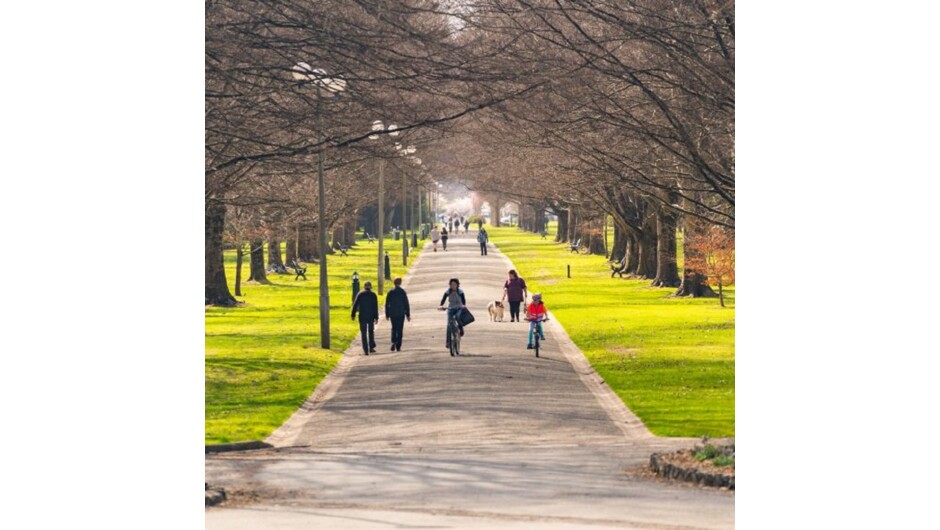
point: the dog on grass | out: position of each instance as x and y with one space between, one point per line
495 309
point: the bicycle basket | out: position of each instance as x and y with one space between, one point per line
464 317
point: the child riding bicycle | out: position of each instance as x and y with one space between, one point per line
535 313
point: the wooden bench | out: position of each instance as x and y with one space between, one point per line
300 270
619 267
544 234
369 237
576 246
343 249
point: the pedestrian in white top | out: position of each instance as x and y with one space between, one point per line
435 237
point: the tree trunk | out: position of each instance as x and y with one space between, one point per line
619 248
307 248
631 251
562 235
274 256
349 233
338 235
667 272
539 221
257 262
217 292
239 257
646 256
368 220
596 244
721 295
291 250
694 285
572 225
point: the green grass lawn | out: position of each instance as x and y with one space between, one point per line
671 360
264 358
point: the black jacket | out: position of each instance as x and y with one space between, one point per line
367 304
396 303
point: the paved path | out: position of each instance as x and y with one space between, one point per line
494 438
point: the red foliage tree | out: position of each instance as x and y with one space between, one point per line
713 256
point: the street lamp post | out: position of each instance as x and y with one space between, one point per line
325 87
404 226
381 265
437 207
414 217
377 126
414 240
414 224
420 196
404 151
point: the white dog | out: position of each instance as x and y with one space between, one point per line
495 309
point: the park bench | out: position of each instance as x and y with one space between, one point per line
619 267
300 270
544 234
370 237
343 249
576 246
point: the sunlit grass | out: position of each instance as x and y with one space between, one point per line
671 360
264 358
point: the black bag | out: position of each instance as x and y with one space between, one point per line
464 317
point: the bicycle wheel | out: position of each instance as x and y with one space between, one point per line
450 340
455 343
537 342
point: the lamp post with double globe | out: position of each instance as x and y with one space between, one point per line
378 126
325 87
406 152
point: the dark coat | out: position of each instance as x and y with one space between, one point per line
367 304
396 303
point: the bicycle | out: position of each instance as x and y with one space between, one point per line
538 334
453 333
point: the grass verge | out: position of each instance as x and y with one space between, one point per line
671 360
264 358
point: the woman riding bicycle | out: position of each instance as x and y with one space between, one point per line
535 314
455 300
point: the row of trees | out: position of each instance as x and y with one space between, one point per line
632 117
405 63
585 109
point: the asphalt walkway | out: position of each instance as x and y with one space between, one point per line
494 438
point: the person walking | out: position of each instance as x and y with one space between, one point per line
397 310
367 305
482 238
480 223
435 237
444 238
466 226
515 290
